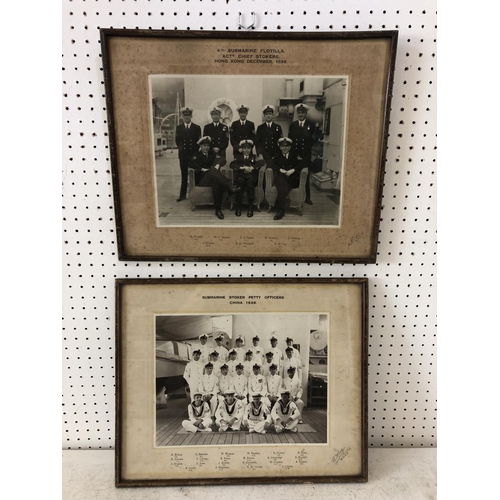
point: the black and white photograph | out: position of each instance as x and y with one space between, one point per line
241 379
248 150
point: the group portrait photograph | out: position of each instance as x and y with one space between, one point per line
240 379
248 150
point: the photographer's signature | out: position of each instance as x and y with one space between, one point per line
340 455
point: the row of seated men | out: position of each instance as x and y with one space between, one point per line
206 154
232 414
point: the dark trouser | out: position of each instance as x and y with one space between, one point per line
309 165
308 186
218 182
247 185
184 177
284 185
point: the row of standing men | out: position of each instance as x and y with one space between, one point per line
206 154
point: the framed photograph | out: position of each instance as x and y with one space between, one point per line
248 146
241 381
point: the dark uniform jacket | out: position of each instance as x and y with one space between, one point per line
240 161
199 161
266 140
292 162
303 138
186 140
219 135
240 132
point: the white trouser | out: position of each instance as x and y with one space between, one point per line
289 427
190 427
300 406
212 403
256 426
224 426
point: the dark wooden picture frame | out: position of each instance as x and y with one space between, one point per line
241 457
365 59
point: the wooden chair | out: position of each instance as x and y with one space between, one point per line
297 196
259 190
200 195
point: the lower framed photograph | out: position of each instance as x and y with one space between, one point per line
241 381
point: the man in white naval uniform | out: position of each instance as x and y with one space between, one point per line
232 362
257 384
209 386
295 352
223 352
225 383
214 359
248 363
274 385
277 353
258 351
240 383
294 385
229 414
200 418
205 349
257 416
285 414
240 350
290 361
193 372
267 363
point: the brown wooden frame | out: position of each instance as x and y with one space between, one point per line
358 245
124 372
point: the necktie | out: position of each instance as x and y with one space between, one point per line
246 157
269 125
301 124
242 123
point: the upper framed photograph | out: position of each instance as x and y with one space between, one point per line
248 146
241 381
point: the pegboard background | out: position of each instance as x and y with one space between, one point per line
402 347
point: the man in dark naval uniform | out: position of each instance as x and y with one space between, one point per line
304 133
218 132
246 168
187 135
241 129
286 167
206 166
267 135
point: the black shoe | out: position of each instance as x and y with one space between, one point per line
237 212
280 214
181 198
309 202
250 211
219 214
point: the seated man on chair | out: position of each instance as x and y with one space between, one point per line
206 165
293 384
246 168
286 167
